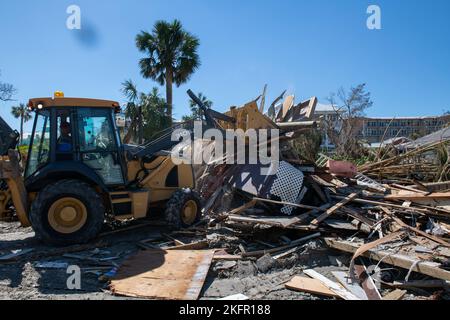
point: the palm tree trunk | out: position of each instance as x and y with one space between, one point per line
169 84
140 126
21 129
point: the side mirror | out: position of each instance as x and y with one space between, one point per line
120 120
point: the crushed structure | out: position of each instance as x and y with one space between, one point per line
383 226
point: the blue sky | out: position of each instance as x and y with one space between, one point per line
308 47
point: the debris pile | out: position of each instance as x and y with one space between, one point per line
394 230
383 227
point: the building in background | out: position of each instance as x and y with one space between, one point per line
375 130
378 129
328 116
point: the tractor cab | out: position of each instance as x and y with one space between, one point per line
74 138
79 175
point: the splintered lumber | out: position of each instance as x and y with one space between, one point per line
160 274
330 211
248 205
310 285
384 163
333 286
416 196
198 245
302 206
410 189
350 285
397 294
282 222
356 215
293 244
432 269
379 203
297 219
367 283
227 257
420 232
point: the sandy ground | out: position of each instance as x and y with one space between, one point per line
26 279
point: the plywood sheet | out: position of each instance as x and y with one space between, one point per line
160 274
309 285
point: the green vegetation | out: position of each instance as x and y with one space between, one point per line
24 114
196 112
147 112
171 56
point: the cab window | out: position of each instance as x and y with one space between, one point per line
40 144
64 137
98 144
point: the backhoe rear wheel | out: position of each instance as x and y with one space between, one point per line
67 212
183 209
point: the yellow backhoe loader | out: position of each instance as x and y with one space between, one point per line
78 172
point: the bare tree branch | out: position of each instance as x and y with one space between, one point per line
6 91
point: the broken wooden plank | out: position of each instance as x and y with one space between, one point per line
267 220
358 216
367 283
294 243
310 285
284 254
160 274
305 215
413 196
350 285
399 260
227 257
397 294
422 233
297 205
176 241
333 286
198 245
330 211
238 210
379 203
411 189
340 225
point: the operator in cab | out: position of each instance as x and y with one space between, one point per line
64 142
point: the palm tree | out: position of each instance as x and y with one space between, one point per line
171 56
22 112
132 111
196 112
148 112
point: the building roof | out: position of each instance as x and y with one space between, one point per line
320 107
406 118
441 135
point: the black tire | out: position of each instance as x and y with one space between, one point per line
39 213
176 205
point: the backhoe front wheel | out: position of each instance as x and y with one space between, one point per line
67 212
183 209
